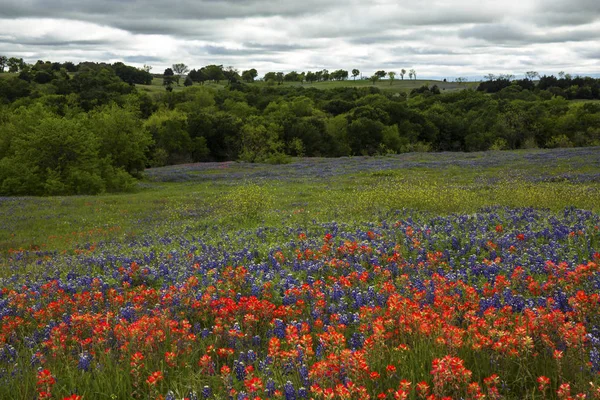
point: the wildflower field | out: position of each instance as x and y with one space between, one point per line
417 276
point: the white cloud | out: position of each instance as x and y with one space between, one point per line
440 38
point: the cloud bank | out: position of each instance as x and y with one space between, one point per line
438 38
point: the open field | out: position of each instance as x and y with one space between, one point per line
343 189
452 274
397 86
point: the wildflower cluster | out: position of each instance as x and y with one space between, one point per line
500 304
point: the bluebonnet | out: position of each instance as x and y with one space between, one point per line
270 387
84 362
289 391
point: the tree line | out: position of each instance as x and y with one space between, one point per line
216 73
566 86
92 131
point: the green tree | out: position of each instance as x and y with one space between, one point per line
261 141
3 61
132 75
15 64
249 75
48 154
12 89
179 70
291 76
197 76
339 75
311 77
121 137
270 76
279 77
336 129
402 73
98 85
188 81
392 76
168 79
172 142
364 136
355 73
391 140
531 75
231 74
214 73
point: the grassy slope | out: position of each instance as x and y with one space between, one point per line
397 86
345 190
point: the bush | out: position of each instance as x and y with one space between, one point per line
499 144
42 154
561 141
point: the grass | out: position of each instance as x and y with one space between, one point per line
397 85
142 271
241 195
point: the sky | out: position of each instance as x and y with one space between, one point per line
437 38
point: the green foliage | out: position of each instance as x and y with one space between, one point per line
499 144
365 136
121 137
296 147
43 154
168 129
337 129
132 75
559 141
391 139
96 86
249 75
261 141
12 89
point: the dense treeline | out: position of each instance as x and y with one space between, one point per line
91 131
570 88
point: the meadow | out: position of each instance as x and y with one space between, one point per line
421 275
397 86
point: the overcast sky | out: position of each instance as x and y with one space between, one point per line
445 38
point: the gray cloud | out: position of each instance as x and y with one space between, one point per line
50 42
440 37
143 59
249 49
560 13
507 33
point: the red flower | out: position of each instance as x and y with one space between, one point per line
564 391
154 378
544 382
170 358
254 384
45 378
